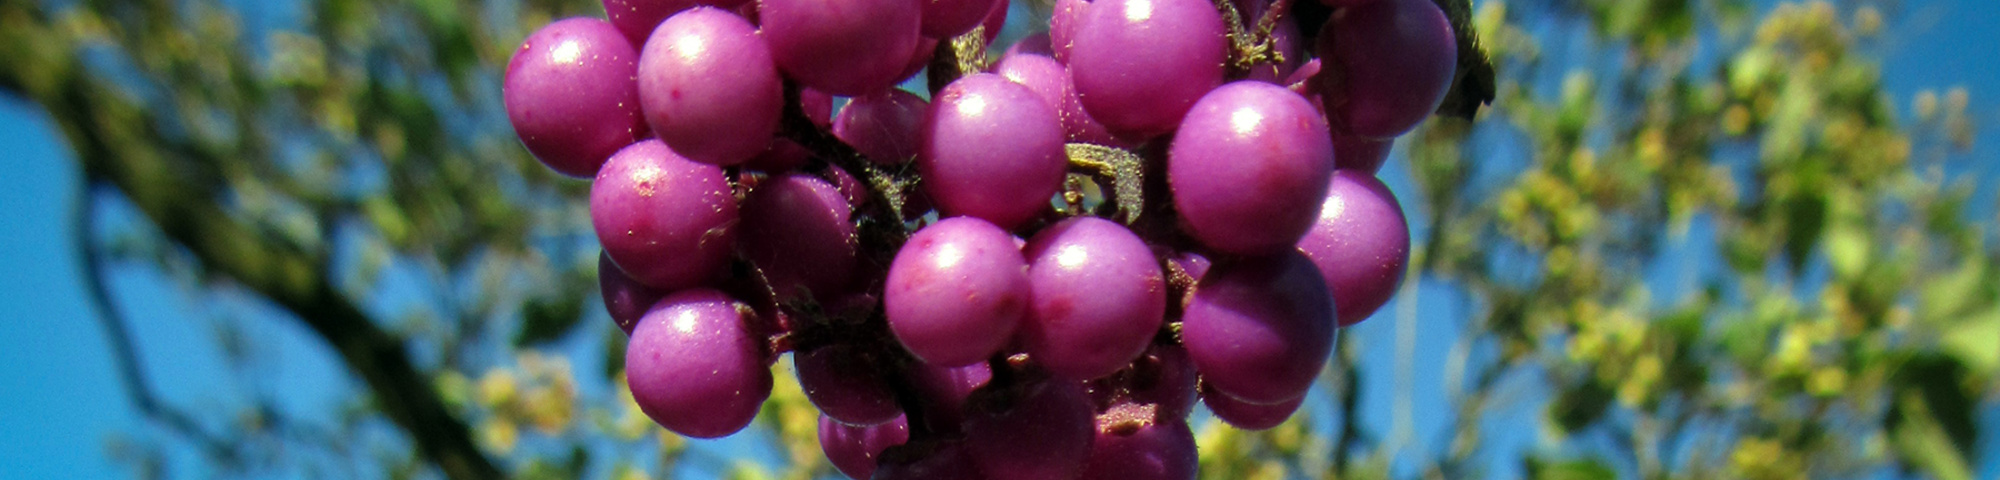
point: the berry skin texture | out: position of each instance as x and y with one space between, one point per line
1361 154
841 47
624 298
695 367
992 150
1245 415
665 220
957 291
1249 168
845 385
943 391
1044 433
1063 20
799 231
1361 244
1259 329
1099 297
854 450
570 95
949 18
1140 65
1051 80
709 88
887 127
1388 64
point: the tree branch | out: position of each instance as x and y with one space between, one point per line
123 349
162 177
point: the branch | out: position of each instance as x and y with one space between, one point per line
123 348
116 143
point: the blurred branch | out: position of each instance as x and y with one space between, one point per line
1350 401
124 350
163 177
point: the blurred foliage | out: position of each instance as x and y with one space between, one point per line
1851 329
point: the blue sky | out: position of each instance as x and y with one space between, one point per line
63 402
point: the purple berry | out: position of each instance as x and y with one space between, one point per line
665 220
1140 65
1260 329
695 367
709 88
798 230
1249 168
1132 443
846 384
1099 297
853 450
1388 65
571 96
1043 433
1360 154
992 150
624 298
943 391
1051 81
842 47
957 291
887 126
949 18
1246 415
1361 244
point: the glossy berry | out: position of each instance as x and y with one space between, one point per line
709 88
1259 329
570 94
1249 168
846 383
1133 443
665 220
854 450
1099 297
798 230
992 150
1246 415
695 366
1361 244
624 298
841 47
1042 432
1140 65
957 291
887 127
1387 66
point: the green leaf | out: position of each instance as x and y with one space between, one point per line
1976 342
1931 395
1587 469
1927 444
546 319
1806 217
1577 408
1954 294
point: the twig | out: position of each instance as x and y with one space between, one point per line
123 349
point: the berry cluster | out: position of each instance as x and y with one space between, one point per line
1034 273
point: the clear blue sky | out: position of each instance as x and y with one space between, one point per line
61 401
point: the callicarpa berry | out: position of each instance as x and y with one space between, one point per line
1034 270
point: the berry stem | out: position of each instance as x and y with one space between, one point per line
883 220
957 57
1251 45
1122 170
